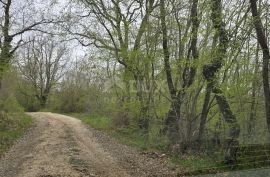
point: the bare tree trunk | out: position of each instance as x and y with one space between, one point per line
266 58
166 50
171 125
43 65
204 114
43 101
252 114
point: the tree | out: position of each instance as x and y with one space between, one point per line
124 26
8 34
42 64
210 74
177 95
262 40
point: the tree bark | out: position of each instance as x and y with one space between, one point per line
204 114
166 50
252 115
262 40
171 126
172 121
205 109
210 73
5 55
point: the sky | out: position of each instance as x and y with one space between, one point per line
26 12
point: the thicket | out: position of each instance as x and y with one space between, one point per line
192 74
13 121
185 76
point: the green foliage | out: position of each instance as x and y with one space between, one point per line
12 127
8 99
25 95
133 137
95 120
197 162
76 98
13 122
11 105
124 115
98 122
130 135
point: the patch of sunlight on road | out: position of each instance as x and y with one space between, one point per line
263 172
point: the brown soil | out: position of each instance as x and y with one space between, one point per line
62 146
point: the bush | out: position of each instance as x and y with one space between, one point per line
4 121
8 100
124 115
12 126
11 105
120 119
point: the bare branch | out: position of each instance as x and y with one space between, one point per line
31 27
3 2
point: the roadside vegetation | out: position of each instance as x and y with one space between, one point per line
148 143
12 127
14 123
185 78
210 160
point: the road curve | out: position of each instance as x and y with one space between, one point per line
62 146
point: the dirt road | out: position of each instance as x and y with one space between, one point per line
62 146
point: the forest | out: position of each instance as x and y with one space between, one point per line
185 78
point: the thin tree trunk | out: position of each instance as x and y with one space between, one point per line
204 114
172 121
252 114
166 50
266 58
171 126
194 40
205 109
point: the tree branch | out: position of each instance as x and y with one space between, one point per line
31 27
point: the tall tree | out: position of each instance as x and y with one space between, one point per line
262 40
7 48
177 95
174 113
124 27
42 66
210 73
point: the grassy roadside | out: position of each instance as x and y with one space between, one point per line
129 136
12 127
136 138
191 164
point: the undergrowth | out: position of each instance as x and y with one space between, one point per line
12 127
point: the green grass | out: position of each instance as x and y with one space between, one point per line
152 142
94 120
195 162
12 128
132 137
191 164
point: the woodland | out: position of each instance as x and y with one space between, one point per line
182 77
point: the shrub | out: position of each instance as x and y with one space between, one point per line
120 119
11 105
124 114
